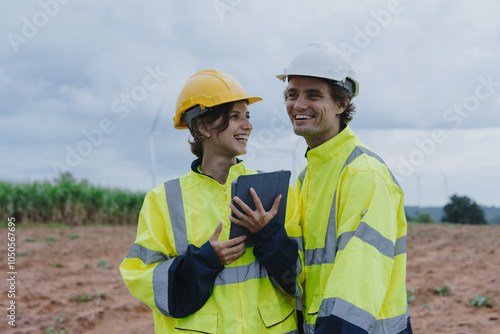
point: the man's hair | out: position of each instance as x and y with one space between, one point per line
208 118
343 96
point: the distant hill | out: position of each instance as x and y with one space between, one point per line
491 213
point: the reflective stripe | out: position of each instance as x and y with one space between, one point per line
371 236
160 286
344 239
298 302
300 242
391 325
175 205
331 233
361 318
400 247
309 329
240 274
346 311
301 177
292 332
313 256
147 256
359 150
327 254
298 268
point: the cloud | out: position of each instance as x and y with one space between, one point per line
419 65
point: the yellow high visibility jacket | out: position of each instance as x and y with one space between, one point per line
354 232
175 224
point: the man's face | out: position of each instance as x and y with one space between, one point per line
313 112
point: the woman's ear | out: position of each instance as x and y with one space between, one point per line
204 130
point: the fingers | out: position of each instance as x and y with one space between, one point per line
233 208
238 221
234 253
256 200
274 208
216 234
242 205
233 242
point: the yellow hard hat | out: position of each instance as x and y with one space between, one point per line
206 89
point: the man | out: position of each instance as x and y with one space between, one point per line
352 214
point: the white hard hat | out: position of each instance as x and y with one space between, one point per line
323 60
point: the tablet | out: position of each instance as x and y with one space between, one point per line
267 186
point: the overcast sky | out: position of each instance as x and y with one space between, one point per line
81 83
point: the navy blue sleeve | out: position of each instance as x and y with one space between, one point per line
336 325
279 254
191 280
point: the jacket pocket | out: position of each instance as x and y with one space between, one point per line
198 323
315 304
275 314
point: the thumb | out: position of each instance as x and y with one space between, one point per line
218 229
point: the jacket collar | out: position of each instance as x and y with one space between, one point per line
331 148
235 170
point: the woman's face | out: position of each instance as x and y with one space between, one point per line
233 140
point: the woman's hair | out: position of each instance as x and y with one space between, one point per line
208 118
343 96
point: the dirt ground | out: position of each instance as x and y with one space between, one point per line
68 279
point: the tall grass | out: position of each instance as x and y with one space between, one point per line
69 202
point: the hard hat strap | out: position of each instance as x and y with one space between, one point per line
188 116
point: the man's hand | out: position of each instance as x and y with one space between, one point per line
227 251
254 221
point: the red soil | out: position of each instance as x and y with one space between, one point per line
58 269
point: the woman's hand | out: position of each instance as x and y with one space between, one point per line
227 251
254 221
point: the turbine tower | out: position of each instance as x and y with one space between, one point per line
152 147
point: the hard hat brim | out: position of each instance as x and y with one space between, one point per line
183 125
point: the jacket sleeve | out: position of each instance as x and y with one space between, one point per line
278 251
366 234
171 284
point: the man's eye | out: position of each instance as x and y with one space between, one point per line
291 96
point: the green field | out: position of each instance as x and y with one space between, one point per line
68 202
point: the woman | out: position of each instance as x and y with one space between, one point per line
182 264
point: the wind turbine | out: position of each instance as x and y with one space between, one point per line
152 148
418 176
445 183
